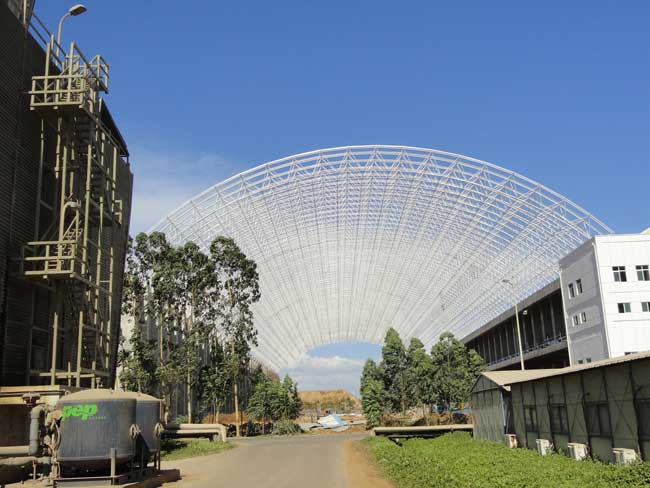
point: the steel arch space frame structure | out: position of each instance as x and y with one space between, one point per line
352 240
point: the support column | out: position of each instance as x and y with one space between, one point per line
531 319
553 326
542 327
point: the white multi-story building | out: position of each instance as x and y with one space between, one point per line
606 291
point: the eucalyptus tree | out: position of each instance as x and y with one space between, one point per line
291 403
371 371
373 401
240 289
133 288
196 284
273 400
395 370
214 378
455 369
264 402
420 374
156 270
137 362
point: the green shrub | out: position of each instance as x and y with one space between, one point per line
458 461
181 419
174 449
286 427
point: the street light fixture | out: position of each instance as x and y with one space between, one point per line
73 11
514 297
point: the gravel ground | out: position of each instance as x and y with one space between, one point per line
305 461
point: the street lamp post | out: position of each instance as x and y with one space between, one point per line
514 297
73 11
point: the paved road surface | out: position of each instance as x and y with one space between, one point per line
310 461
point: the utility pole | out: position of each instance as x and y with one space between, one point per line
514 298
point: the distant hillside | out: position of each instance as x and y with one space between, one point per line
340 400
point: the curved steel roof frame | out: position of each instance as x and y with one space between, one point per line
352 240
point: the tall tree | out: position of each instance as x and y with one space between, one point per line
395 370
420 374
263 402
137 360
291 400
373 393
240 290
214 379
133 287
273 401
138 363
157 271
455 369
197 283
373 402
371 371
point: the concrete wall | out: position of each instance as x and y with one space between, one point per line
606 332
629 332
587 338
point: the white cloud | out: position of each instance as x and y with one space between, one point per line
325 373
164 180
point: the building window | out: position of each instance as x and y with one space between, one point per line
587 360
619 273
624 307
645 306
580 361
579 286
576 320
643 273
559 419
597 416
572 291
583 317
530 418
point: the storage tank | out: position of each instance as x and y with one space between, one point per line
148 416
93 422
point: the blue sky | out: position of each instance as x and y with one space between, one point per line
558 91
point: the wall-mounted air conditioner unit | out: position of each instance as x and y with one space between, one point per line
625 456
544 446
511 440
577 451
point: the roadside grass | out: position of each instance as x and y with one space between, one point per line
175 449
457 461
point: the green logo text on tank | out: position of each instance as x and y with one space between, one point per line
81 411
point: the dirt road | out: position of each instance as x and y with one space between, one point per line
308 461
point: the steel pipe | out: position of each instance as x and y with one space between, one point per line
23 460
14 450
34 429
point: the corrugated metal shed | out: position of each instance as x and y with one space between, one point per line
546 373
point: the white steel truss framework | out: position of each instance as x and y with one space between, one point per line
352 240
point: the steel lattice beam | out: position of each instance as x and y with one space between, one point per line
352 240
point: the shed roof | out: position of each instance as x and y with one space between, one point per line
504 378
545 373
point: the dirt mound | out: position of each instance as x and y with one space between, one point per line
329 399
